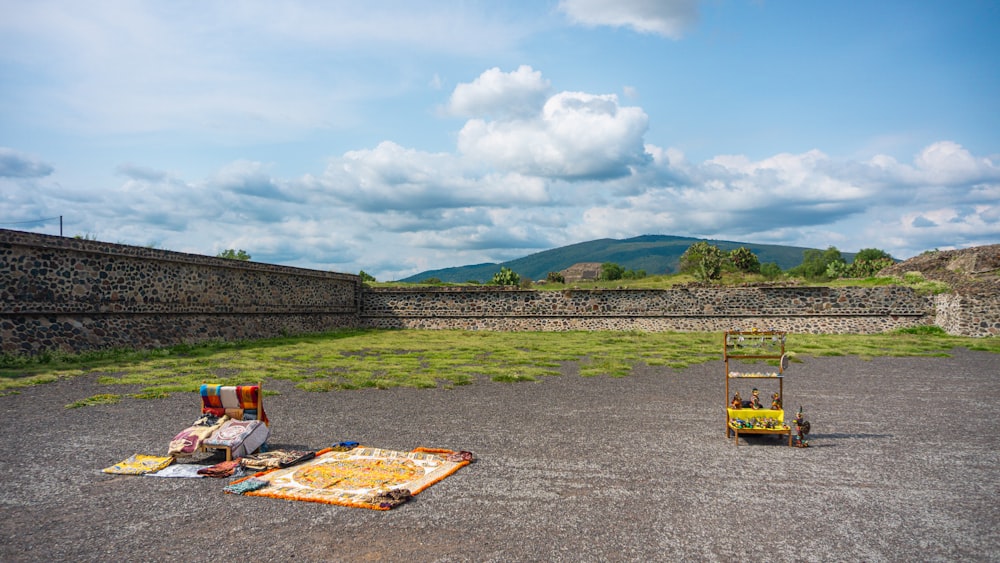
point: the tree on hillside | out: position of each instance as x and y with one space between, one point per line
234 254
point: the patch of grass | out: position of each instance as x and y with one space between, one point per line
381 359
925 330
102 399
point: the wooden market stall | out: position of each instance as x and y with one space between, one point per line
755 414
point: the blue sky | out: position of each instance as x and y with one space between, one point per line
397 137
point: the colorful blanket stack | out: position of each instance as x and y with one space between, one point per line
241 402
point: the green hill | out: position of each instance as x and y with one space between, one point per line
656 254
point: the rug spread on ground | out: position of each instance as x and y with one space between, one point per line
362 477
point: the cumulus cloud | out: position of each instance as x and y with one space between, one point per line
944 163
14 164
578 135
669 18
517 94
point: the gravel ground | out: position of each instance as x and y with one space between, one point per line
903 467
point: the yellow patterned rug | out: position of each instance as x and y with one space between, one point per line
363 477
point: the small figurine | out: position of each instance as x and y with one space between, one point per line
801 429
737 401
755 399
776 401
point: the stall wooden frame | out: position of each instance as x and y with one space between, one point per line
755 345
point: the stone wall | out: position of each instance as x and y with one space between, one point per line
68 294
795 309
968 315
75 295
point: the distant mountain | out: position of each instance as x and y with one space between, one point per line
656 254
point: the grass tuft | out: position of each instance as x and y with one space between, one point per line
102 399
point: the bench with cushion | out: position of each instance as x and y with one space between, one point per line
247 427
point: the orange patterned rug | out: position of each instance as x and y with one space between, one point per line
363 477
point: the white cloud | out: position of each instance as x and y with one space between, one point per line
948 162
669 18
578 135
517 94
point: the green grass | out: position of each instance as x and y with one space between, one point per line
102 399
357 359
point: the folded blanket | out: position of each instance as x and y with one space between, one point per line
276 459
187 441
182 470
137 464
246 486
219 470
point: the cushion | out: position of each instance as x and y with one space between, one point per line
240 436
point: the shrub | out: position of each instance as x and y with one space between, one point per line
745 260
611 271
555 277
838 269
703 261
770 270
234 254
868 268
506 276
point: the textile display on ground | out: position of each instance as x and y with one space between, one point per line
138 464
180 470
361 477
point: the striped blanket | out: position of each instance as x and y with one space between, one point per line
226 399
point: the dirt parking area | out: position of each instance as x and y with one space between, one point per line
904 466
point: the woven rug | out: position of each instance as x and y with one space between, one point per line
362 477
139 464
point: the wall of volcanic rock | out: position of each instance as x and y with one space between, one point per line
69 294
969 314
74 295
821 310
